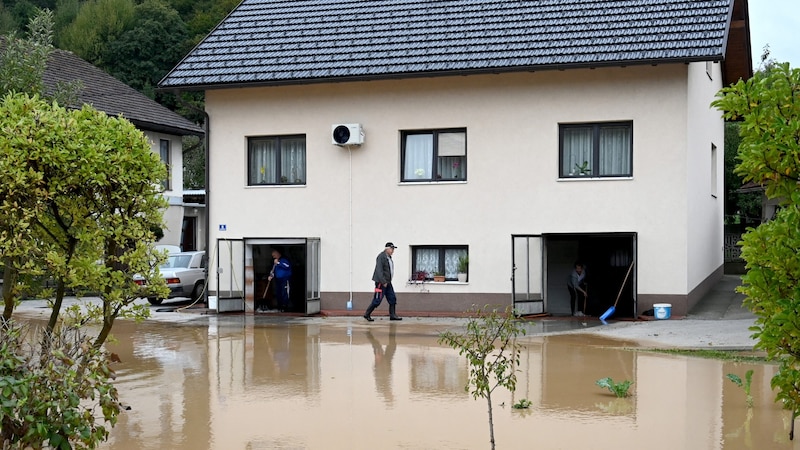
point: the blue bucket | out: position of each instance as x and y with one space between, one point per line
662 311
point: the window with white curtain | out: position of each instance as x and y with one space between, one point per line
276 160
164 153
596 150
430 260
434 155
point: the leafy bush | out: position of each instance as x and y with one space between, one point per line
619 389
55 390
522 404
748 379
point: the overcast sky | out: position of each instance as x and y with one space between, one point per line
777 23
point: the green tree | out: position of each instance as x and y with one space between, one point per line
99 199
97 23
489 343
194 163
24 60
742 208
149 48
22 64
768 106
7 22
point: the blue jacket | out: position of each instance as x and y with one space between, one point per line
282 270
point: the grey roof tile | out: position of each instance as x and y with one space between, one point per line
282 41
113 97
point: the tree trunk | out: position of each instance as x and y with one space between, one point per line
59 300
9 281
491 419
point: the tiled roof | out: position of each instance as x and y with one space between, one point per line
291 42
114 97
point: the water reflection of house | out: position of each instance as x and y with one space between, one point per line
438 373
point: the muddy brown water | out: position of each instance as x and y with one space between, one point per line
241 383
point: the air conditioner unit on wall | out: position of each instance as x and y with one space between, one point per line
347 134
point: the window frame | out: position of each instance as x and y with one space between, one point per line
596 127
442 251
278 138
436 177
165 154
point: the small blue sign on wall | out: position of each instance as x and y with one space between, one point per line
223 227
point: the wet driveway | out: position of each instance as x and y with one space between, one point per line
274 383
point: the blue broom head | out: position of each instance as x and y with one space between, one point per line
608 313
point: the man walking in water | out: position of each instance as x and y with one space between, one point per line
382 276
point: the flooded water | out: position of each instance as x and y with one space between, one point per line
243 383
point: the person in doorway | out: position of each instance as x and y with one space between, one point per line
382 276
576 284
281 273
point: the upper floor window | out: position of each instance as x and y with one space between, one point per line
276 160
596 150
434 155
165 158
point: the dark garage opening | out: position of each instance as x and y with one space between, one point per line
262 264
607 258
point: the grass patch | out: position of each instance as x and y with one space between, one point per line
723 355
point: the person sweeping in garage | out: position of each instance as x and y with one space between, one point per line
281 272
576 284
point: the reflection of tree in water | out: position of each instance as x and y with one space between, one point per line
383 364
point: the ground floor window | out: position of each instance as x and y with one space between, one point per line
431 260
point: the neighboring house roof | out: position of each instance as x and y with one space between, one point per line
272 42
113 97
751 186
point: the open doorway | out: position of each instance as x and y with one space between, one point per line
243 267
265 295
606 258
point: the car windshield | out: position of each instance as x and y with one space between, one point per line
177 261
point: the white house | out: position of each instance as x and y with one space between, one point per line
185 221
460 127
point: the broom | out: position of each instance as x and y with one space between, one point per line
613 308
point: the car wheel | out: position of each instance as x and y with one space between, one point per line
197 291
154 300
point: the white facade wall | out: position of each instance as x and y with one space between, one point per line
706 203
512 185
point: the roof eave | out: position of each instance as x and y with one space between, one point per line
166 129
738 63
440 73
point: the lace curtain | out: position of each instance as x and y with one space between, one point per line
428 260
278 161
615 151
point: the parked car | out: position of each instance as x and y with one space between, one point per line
184 273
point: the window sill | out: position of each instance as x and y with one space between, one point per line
427 183
274 186
579 179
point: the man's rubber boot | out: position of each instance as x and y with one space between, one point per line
392 315
368 312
